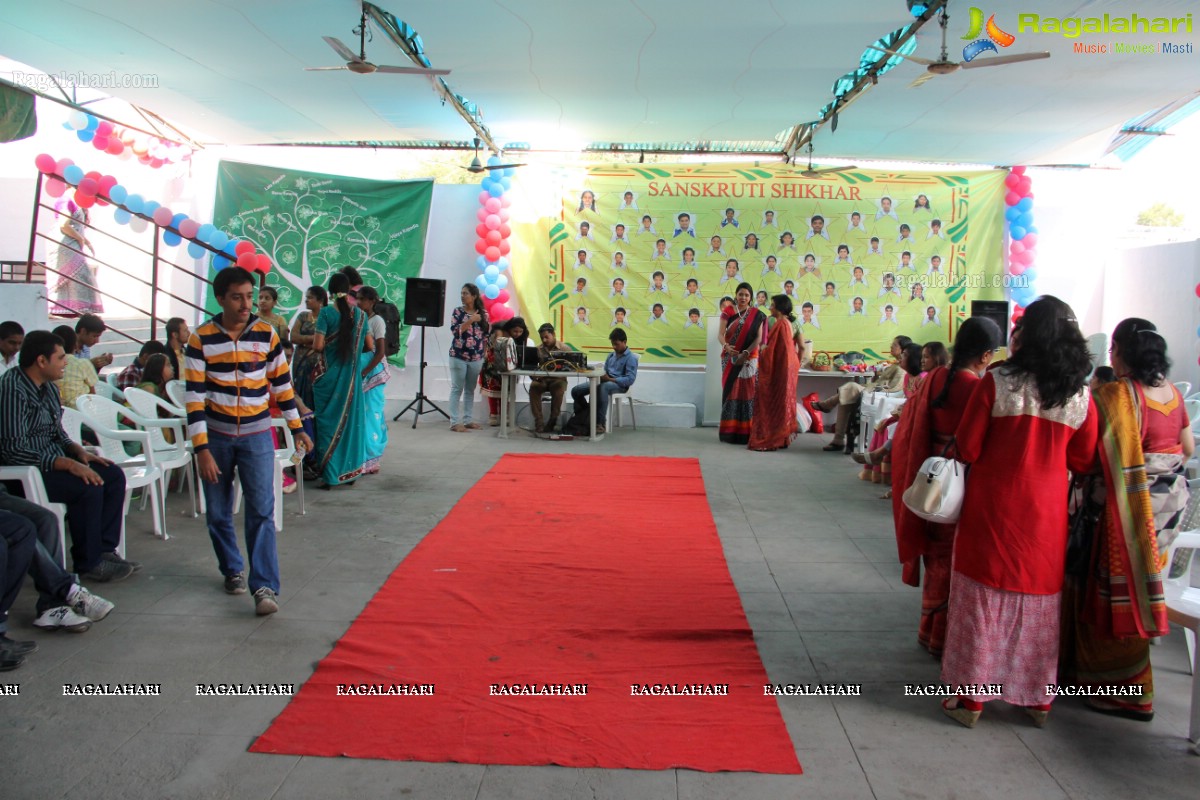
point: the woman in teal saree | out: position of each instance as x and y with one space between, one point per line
340 408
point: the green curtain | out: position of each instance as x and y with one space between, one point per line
18 115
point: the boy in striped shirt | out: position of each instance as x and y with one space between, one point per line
233 364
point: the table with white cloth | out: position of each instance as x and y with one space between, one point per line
593 375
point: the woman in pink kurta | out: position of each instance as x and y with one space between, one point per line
1027 423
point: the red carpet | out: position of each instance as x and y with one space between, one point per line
554 570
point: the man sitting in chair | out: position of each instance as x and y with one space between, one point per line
557 387
620 371
849 394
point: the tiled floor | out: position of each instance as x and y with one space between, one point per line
809 547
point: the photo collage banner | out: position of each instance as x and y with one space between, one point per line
863 255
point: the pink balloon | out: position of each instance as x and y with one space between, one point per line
163 216
100 142
503 296
1016 247
484 196
1012 180
45 162
492 253
505 231
505 214
1025 258
1016 267
1024 184
505 201
63 163
88 186
106 183
1018 170
104 128
492 237
1011 199
1030 241
188 228
481 214
492 204
481 230
263 263
481 247
492 222
55 187
505 249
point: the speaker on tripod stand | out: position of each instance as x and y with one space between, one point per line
424 306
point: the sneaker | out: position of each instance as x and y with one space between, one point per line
107 571
264 602
116 559
12 648
63 619
235 584
86 604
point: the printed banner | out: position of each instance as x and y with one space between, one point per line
312 225
863 255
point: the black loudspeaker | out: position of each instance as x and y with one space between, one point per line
424 302
997 312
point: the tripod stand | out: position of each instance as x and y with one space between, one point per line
421 400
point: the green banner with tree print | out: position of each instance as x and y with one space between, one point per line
311 225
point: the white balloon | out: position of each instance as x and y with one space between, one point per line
137 224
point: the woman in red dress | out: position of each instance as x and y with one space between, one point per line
743 329
927 428
1027 423
774 423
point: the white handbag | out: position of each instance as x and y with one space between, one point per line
937 490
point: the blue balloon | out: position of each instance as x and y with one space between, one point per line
1011 213
73 174
486 183
171 238
496 190
1030 275
195 250
85 136
1025 204
135 203
118 193
221 262
178 218
491 291
206 231
494 161
491 272
1030 229
481 281
121 216
92 123
150 206
1016 233
230 248
502 281
508 172
482 263
503 263
1025 221
219 240
506 183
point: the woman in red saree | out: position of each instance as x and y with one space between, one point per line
926 428
743 329
1127 517
774 422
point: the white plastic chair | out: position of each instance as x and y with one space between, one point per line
1097 345
35 492
111 378
1184 387
140 471
169 455
176 390
109 391
283 460
614 409
1183 605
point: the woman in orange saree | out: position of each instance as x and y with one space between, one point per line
773 424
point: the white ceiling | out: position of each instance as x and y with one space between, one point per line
570 72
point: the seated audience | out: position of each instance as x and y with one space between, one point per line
849 394
877 458
31 434
557 387
78 376
17 539
132 375
88 331
620 371
11 336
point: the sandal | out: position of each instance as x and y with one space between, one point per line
833 446
953 709
473 426
1037 715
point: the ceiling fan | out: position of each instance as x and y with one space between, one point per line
944 66
813 173
358 63
477 166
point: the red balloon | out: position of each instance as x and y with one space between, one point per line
492 253
247 261
505 231
1198 290
481 229
492 204
1011 199
1024 184
243 247
104 128
94 175
503 296
45 162
493 237
84 200
1011 180
88 186
1018 170
505 249
100 142
106 183
115 147
100 201
157 163
500 313
263 263
481 247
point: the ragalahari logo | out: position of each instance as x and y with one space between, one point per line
995 36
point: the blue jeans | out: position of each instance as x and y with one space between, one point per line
604 390
52 581
254 458
463 377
